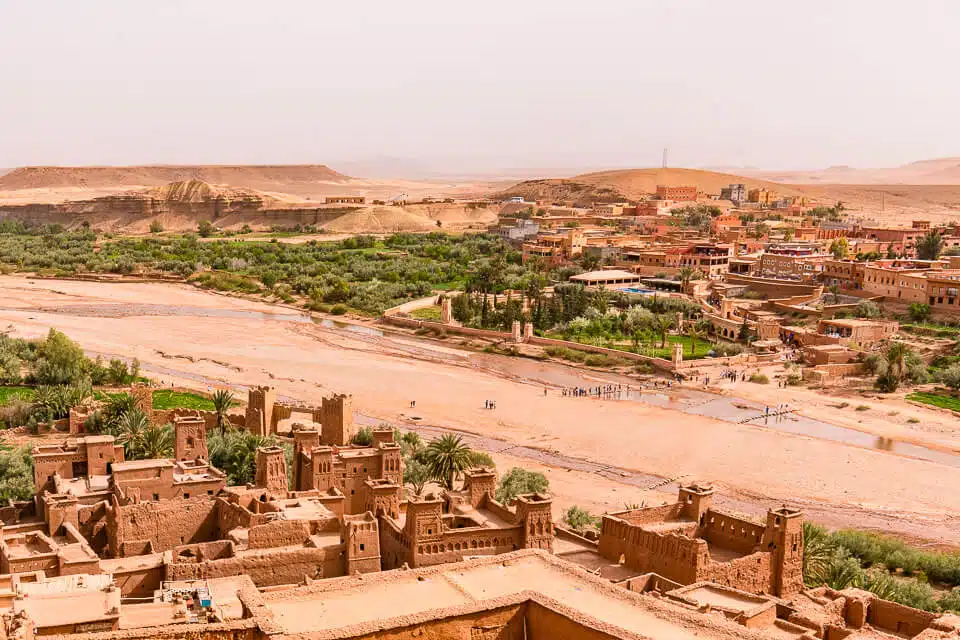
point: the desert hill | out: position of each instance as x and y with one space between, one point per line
263 177
937 171
630 184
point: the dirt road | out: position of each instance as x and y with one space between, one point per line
195 338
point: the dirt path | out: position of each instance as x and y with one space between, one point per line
198 339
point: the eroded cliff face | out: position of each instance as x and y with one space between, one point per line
177 205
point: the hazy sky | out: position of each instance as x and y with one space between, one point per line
477 85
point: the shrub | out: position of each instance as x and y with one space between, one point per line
518 482
580 519
795 379
156 226
363 437
759 378
205 229
338 309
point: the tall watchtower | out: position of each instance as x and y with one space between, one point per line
695 501
534 513
190 438
260 404
361 544
785 534
479 483
272 470
337 419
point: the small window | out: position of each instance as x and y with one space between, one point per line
352 492
156 496
186 496
209 492
361 546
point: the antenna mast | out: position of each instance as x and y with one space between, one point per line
664 157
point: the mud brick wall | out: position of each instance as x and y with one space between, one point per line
267 568
730 532
541 622
281 533
753 573
165 524
898 618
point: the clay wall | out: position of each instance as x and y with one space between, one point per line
898 618
647 515
544 624
167 416
506 623
675 557
731 532
752 573
267 568
454 545
166 524
139 582
279 533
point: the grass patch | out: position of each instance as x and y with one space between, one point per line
936 400
164 399
862 407
8 394
427 313
653 351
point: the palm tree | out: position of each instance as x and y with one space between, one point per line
686 275
446 457
243 458
661 325
222 401
817 553
131 427
694 333
156 442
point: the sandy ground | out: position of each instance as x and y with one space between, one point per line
199 339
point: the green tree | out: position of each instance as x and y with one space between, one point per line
222 401
518 482
694 333
156 441
363 437
867 309
840 248
759 230
205 229
919 311
580 519
156 226
417 475
16 475
930 245
131 428
788 233
950 376
59 360
834 290
817 553
661 325
447 457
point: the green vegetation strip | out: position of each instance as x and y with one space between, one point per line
164 399
936 400
9 394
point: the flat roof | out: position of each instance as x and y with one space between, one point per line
130 465
609 274
358 605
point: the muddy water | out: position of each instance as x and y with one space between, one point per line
731 409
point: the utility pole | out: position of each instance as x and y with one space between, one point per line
664 157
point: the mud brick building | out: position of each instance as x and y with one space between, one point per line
438 529
689 541
323 467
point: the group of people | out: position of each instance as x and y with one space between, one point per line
602 391
489 404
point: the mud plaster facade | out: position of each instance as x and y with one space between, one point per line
334 415
448 528
689 542
321 467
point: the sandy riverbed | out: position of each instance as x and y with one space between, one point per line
190 337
